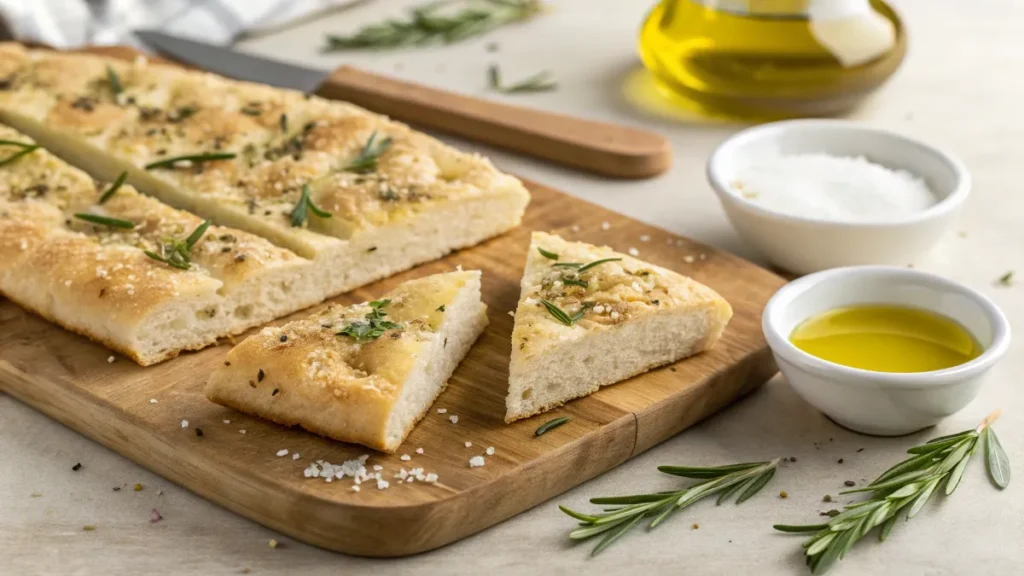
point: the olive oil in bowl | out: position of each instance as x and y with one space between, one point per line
886 338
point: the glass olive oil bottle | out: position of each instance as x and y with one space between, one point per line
772 58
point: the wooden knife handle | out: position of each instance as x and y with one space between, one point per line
606 149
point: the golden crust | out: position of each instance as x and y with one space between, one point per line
615 292
306 373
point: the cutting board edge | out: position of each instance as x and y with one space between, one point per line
333 522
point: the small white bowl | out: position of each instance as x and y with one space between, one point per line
883 403
803 245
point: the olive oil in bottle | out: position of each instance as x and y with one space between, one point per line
771 58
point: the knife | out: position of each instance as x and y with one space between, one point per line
606 149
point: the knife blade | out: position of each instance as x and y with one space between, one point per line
606 149
233 64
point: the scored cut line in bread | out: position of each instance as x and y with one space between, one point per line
619 318
369 390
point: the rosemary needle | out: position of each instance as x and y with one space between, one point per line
546 254
113 188
561 315
114 80
550 425
540 82
25 149
192 158
304 205
106 221
366 161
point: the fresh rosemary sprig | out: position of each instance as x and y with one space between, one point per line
178 253
430 23
375 324
105 221
550 425
192 158
746 480
113 188
581 268
25 149
305 204
563 316
540 82
546 254
368 156
906 486
114 80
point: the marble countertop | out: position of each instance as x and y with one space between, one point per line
961 87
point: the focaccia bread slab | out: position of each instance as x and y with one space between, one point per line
418 200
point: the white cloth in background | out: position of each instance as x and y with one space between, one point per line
72 23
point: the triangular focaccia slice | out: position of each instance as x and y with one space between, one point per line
582 323
365 373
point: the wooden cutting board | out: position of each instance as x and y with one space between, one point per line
69 379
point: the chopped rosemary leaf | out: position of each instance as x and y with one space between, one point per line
374 326
574 282
26 148
540 82
283 122
546 254
178 253
113 188
194 158
440 308
105 221
114 80
1006 279
305 204
551 425
366 161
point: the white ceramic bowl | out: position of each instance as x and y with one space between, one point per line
804 245
883 403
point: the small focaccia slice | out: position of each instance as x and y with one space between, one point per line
364 373
589 316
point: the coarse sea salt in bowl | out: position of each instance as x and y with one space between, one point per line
817 194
